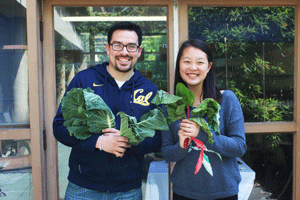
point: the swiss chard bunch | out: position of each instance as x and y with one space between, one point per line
86 113
180 103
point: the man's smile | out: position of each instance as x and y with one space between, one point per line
123 59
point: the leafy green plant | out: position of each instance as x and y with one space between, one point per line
257 45
181 102
86 113
137 132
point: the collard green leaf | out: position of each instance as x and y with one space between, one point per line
100 119
94 101
77 127
175 105
75 122
154 119
142 133
86 113
163 98
80 132
137 132
73 104
125 129
99 115
75 114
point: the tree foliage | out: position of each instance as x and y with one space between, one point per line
255 45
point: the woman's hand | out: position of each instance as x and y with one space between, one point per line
189 128
184 141
112 142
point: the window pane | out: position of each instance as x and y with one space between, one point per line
271 157
253 51
15 164
80 42
14 109
15 169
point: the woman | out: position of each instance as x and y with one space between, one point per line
219 176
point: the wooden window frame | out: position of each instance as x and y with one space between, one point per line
35 131
177 9
49 71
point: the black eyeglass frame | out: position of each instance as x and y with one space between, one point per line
123 45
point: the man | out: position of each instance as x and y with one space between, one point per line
106 167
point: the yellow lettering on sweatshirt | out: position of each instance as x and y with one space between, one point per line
141 99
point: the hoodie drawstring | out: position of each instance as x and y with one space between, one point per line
105 87
132 94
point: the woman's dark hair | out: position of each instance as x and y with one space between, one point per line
129 26
210 89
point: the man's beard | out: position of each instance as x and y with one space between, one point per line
124 70
131 66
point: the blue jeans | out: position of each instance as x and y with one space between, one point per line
75 192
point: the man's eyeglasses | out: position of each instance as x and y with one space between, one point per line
117 46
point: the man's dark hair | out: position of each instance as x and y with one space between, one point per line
129 26
210 89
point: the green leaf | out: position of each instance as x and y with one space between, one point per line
184 99
86 113
74 112
73 104
163 97
176 113
186 94
137 132
204 126
202 123
79 132
175 105
129 129
141 133
154 119
210 108
99 115
125 129
100 119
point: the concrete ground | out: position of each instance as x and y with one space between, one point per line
258 193
16 185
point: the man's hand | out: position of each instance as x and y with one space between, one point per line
112 142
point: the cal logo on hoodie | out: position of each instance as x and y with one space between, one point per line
141 99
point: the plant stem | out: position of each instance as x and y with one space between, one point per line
186 141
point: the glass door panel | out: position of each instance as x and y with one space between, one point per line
80 40
254 56
253 49
15 162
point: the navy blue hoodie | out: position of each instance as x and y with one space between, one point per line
98 170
